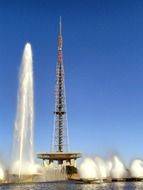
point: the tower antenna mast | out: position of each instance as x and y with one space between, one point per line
60 25
60 132
59 147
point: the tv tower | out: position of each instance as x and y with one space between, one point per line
59 148
60 131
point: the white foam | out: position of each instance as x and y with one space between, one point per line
2 175
88 169
118 169
136 169
102 171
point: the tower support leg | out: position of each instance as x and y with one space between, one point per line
74 163
51 163
60 162
68 162
45 164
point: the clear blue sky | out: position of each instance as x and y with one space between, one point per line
103 58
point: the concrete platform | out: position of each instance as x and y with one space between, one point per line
58 155
49 158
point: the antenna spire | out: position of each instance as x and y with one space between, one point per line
60 132
60 25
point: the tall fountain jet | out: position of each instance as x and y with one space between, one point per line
23 156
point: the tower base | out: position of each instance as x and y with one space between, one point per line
59 158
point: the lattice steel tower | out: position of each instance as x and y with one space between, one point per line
59 148
60 130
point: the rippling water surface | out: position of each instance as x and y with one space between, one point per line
75 186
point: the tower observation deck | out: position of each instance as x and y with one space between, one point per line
60 142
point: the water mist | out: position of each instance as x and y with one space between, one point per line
23 157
